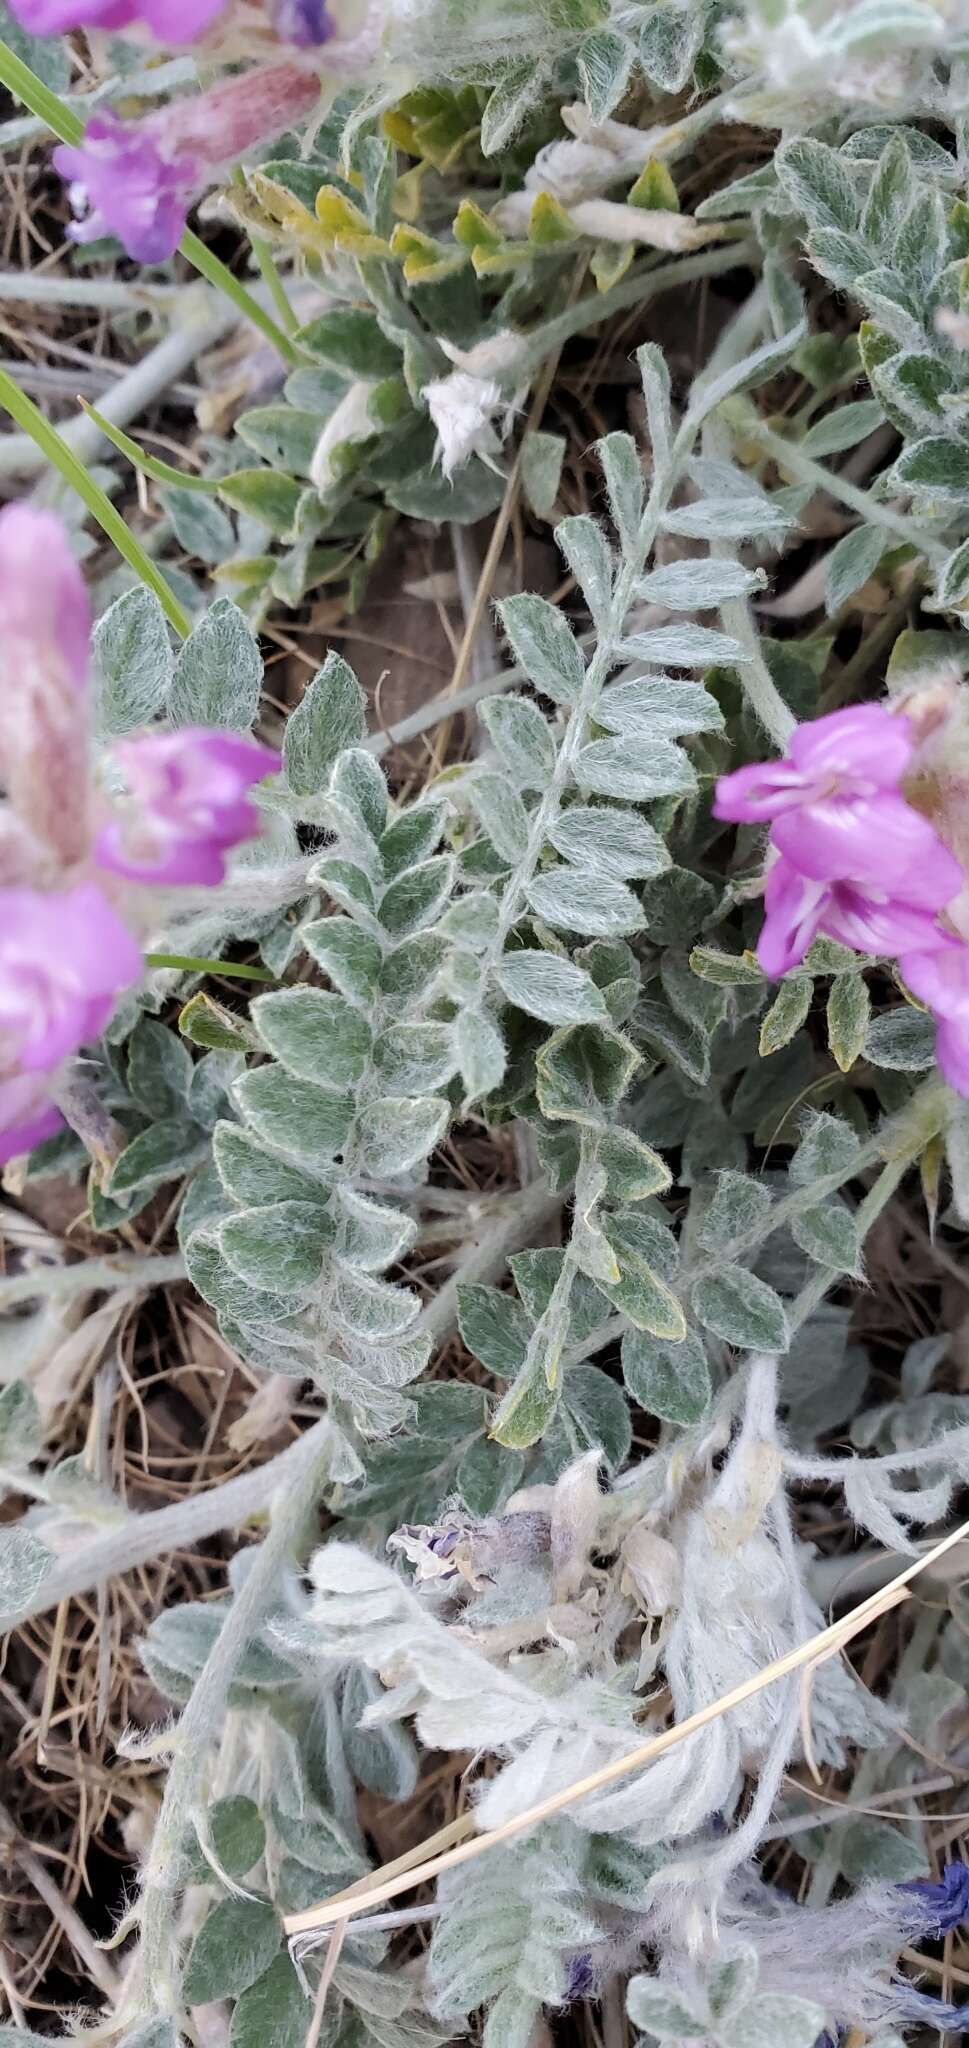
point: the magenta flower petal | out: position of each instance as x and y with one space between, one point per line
64 959
187 805
45 615
940 979
878 924
121 183
879 839
952 1054
751 795
172 21
865 745
27 1116
794 909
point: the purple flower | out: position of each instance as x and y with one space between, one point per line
45 617
944 1906
121 184
64 958
834 801
940 979
172 21
27 1115
304 22
871 920
188 794
138 180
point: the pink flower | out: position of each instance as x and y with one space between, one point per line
940 979
64 958
45 617
45 626
27 1115
188 804
859 915
172 21
834 802
137 180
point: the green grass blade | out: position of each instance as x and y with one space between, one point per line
189 965
150 465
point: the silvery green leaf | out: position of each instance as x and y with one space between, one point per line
233 1830
159 1069
24 1565
281 1247
952 582
472 920
317 1036
848 1018
843 428
543 644
732 1983
225 1291
604 61
815 178
829 1145
610 840
231 1950
252 1174
147 2034
133 662
643 1297
508 104
201 526
501 812
272 2013
699 585
351 957
902 1040
310 1122
372 1309
654 371
742 196
398 1132
725 970
641 766
622 469
372 1235
349 887
773 2017
660 2012
740 1205
523 739
852 561
524 1413
21 1430
329 716
633 1170
166 1151
541 457
554 990
742 1310
872 1852
357 785
658 705
480 1051
740 518
890 195
218 672
417 897
936 465
787 1013
590 904
351 339
413 1059
589 557
678 1039
284 434
753 369
670 1380
411 837
495 1328
829 1234
583 1072
669 40
685 646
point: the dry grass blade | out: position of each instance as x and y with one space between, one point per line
824 1644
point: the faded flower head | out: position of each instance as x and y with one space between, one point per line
45 616
187 805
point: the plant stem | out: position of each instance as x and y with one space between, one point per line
201 1722
63 122
189 964
91 1276
791 458
55 448
642 284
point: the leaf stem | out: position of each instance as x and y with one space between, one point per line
791 458
72 469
